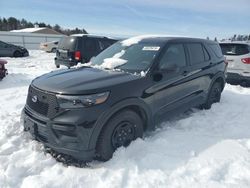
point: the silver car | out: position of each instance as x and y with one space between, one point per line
238 57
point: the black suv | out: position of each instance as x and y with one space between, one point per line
80 48
11 50
89 112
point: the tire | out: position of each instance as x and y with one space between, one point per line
53 50
120 130
17 54
214 95
57 66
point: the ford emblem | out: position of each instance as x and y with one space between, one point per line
34 98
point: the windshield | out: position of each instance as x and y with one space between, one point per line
134 58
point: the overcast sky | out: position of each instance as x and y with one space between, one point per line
199 18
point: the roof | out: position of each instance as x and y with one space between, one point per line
92 35
29 30
2 61
235 42
162 39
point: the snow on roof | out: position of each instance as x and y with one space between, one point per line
29 30
136 39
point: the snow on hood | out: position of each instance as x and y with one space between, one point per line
111 63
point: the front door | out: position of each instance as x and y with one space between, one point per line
174 88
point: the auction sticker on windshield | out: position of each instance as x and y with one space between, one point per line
151 48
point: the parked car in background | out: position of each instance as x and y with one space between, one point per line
238 57
49 46
3 70
11 50
80 48
89 112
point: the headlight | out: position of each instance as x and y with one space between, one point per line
67 101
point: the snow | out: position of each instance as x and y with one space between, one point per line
29 30
203 148
137 39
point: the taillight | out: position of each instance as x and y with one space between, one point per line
77 55
225 61
246 60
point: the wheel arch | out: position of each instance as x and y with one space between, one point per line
135 104
219 77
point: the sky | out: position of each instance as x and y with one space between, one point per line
196 18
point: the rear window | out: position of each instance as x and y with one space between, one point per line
196 53
67 43
234 49
216 49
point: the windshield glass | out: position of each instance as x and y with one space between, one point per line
134 58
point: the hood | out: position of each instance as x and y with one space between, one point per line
85 80
2 61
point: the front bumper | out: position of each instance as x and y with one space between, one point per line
68 133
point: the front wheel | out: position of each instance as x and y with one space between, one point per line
17 54
120 130
213 96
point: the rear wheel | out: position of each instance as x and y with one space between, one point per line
213 96
53 50
120 130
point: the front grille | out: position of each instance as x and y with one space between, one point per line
42 102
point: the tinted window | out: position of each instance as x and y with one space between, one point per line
216 49
67 43
234 49
174 55
90 44
207 57
196 53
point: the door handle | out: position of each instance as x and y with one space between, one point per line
185 73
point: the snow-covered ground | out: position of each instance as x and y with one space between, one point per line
200 149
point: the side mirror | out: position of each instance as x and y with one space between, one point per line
157 76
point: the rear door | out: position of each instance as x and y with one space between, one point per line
66 48
201 67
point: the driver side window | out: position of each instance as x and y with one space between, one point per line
174 55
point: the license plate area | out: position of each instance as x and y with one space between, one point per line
31 127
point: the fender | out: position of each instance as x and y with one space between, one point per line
103 119
216 76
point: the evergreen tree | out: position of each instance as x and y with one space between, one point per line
12 23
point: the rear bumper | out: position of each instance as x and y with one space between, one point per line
60 135
65 62
237 77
